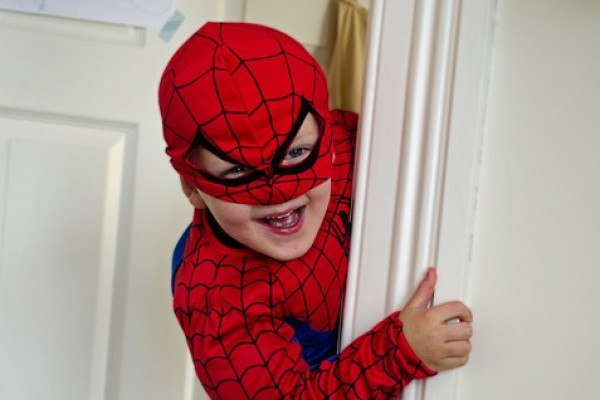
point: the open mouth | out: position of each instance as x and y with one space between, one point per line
284 222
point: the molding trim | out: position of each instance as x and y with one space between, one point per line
420 137
74 28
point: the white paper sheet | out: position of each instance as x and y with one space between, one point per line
146 13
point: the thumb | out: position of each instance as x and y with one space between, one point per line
424 292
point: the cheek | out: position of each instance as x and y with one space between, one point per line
320 195
229 214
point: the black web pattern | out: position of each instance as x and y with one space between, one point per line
244 103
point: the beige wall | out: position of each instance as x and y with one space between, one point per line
535 279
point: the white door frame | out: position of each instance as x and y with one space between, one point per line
418 159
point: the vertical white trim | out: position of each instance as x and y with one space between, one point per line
362 171
423 163
377 168
419 140
231 10
106 274
189 380
410 234
465 134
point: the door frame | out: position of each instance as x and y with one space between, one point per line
419 146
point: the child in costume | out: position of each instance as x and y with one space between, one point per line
259 274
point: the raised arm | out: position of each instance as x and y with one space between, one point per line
242 349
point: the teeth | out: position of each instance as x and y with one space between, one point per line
287 220
282 216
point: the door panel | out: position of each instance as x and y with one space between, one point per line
60 217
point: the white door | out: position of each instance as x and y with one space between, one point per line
88 212
89 207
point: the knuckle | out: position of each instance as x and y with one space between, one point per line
469 313
457 304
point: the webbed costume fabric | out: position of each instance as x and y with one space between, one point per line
258 328
242 91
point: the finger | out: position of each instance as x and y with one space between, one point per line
452 312
460 331
458 348
452 362
424 292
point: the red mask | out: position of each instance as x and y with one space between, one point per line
242 91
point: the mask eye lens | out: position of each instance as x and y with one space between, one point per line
209 163
303 144
296 155
237 171
193 157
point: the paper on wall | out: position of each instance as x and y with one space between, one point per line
144 13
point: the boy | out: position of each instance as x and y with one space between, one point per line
259 285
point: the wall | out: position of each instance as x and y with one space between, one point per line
535 269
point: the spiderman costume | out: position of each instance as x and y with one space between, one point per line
256 327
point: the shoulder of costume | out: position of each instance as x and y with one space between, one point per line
343 125
347 120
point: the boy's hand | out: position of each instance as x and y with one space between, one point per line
439 336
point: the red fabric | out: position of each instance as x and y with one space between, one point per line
232 305
239 88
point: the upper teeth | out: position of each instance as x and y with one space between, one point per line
281 216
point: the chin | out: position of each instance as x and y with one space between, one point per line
280 254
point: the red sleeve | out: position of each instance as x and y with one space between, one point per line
243 349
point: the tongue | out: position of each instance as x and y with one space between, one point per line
285 222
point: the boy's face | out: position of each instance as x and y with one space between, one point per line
281 231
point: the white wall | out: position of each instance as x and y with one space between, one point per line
535 268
